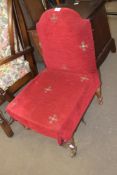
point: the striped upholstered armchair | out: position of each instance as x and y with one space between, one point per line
16 60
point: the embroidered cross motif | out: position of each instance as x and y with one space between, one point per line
48 89
64 67
53 119
54 17
83 46
84 78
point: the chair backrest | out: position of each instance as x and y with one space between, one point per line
6 25
66 41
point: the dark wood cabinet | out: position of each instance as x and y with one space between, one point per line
104 43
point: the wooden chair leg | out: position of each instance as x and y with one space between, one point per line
5 126
99 96
72 147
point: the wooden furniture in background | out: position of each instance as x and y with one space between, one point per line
32 11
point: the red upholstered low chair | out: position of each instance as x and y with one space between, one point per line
54 102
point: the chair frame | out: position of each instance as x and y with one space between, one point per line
16 20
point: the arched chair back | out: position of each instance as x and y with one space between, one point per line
66 41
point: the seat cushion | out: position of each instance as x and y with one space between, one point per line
13 71
53 102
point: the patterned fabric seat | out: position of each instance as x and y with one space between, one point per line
13 70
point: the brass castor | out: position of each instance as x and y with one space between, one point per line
71 146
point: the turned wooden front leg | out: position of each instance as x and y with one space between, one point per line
5 126
99 96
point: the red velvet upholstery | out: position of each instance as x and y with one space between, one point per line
66 41
54 102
